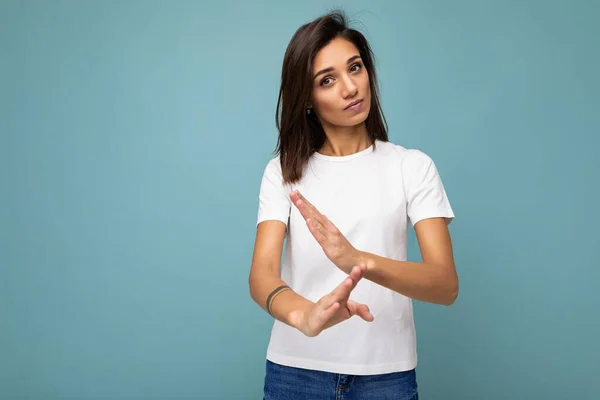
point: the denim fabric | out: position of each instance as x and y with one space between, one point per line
289 383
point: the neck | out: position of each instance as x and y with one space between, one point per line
344 141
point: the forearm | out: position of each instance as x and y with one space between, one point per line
417 280
274 296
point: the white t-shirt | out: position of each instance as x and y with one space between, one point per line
370 196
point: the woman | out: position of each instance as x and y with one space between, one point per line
343 196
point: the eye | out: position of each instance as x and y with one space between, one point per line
356 67
326 81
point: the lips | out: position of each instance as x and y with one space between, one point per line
353 104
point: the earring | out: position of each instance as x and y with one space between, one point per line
308 111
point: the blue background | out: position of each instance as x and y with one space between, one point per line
133 139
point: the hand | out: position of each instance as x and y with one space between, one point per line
334 307
335 245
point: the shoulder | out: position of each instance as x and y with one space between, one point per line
273 167
407 157
273 174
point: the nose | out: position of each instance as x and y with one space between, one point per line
350 89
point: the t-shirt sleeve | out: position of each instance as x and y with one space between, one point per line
273 200
425 193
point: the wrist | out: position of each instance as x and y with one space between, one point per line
296 318
356 257
367 259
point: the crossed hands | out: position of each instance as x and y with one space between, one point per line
336 306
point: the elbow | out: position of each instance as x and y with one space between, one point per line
452 294
252 288
451 299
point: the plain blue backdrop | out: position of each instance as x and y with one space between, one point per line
133 139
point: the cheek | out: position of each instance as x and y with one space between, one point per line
366 87
326 101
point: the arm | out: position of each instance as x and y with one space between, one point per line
284 305
267 288
434 280
269 291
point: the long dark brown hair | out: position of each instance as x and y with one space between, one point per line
301 134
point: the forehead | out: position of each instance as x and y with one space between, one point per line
335 54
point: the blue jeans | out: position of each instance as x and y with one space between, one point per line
289 383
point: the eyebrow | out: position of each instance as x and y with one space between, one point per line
326 70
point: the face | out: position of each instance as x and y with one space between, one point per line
341 94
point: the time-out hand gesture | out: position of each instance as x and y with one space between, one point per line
335 245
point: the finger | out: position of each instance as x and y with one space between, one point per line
303 205
306 208
362 310
342 292
317 230
341 314
327 314
328 225
358 272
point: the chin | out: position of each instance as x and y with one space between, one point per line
354 120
